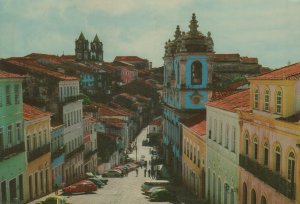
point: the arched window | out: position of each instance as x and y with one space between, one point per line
291 167
225 190
196 73
277 158
220 134
255 148
188 149
227 136
267 100
215 131
266 153
256 94
246 143
184 146
253 197
279 101
245 193
263 200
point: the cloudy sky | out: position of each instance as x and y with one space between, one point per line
267 29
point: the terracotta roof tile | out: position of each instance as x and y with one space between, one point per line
290 72
240 100
5 75
129 59
115 122
32 113
200 128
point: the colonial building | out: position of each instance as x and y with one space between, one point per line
186 75
57 153
194 155
12 146
85 53
222 166
90 143
134 61
270 138
38 169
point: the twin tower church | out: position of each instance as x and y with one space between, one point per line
85 51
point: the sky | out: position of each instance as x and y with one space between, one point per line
268 29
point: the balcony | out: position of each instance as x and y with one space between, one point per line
38 152
7 152
271 178
57 153
87 155
78 149
71 99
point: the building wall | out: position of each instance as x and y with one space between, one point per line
57 145
12 114
273 133
222 157
57 170
193 170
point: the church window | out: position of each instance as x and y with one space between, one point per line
246 143
196 73
277 158
278 102
291 167
266 153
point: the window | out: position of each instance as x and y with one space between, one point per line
8 100
291 167
198 159
220 134
215 130
227 136
1 138
45 137
255 148
267 100
233 139
277 158
256 93
263 200
266 153
196 73
184 146
17 94
9 135
244 193
253 197
18 131
34 142
191 152
278 102
246 143
194 155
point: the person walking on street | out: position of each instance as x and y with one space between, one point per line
149 172
145 172
56 189
137 171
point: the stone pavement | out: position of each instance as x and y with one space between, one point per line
127 190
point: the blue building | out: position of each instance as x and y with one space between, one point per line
58 156
187 73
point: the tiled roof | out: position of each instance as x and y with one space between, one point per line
290 72
199 128
240 100
115 122
31 64
128 59
5 75
157 121
249 60
226 56
32 113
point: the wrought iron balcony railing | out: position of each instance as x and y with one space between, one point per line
87 155
38 152
7 152
271 178
71 99
57 153
78 149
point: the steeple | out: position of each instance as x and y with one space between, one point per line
177 32
193 25
96 39
81 36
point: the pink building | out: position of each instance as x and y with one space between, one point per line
128 74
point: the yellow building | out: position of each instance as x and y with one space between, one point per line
38 171
270 139
194 154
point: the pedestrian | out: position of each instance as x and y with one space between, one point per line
137 171
145 172
56 189
152 173
149 172
146 164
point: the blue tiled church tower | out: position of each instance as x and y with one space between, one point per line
187 73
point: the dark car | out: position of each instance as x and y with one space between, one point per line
113 173
162 195
96 181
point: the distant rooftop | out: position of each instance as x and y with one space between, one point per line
32 113
5 75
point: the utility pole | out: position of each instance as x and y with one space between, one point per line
136 148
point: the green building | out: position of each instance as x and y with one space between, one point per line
12 146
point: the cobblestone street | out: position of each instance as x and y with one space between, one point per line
127 190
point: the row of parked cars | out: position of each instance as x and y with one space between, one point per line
120 170
158 190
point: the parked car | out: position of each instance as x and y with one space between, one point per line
54 200
91 175
124 171
162 195
154 183
153 189
96 181
113 173
84 186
